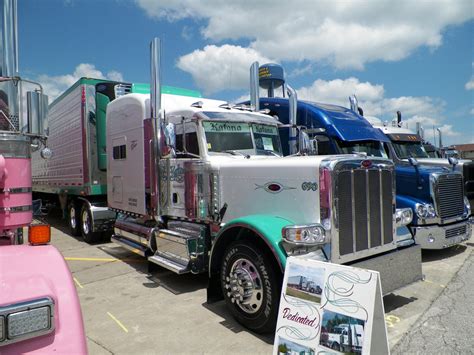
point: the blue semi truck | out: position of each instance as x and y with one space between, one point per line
435 194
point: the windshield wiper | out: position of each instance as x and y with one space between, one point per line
235 152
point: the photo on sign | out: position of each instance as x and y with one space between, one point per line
305 282
288 347
342 333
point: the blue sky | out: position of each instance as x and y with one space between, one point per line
416 57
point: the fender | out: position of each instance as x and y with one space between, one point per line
266 227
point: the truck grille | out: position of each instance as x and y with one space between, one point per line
364 209
455 231
468 173
449 196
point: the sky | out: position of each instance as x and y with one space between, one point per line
413 56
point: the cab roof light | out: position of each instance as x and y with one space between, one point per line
39 234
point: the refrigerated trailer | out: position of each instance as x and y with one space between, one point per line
75 176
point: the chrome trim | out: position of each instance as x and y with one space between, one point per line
341 163
128 244
15 190
15 146
5 311
16 209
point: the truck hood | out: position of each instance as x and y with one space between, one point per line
33 272
283 187
408 184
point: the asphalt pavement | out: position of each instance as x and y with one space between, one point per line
447 326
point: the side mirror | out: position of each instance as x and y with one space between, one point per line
169 134
453 161
37 111
307 146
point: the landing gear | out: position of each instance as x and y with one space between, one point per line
250 286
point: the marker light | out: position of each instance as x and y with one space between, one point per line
39 234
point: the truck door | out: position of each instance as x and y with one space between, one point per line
184 201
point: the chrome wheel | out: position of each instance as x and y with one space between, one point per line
244 286
72 217
85 222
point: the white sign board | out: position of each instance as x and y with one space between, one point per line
330 309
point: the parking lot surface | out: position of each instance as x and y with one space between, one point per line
128 310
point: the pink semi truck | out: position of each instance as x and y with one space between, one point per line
39 307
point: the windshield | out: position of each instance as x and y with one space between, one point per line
371 148
242 138
405 150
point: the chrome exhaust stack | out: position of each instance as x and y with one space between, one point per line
440 140
254 87
157 121
354 103
293 109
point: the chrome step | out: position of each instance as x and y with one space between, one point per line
131 245
169 264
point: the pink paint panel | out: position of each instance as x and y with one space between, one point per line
32 272
16 173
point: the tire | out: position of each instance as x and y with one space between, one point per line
86 226
73 219
251 272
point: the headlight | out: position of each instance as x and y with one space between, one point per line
431 210
403 216
421 210
313 234
467 204
26 320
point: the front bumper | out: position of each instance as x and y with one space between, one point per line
441 237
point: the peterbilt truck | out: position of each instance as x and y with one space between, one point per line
200 186
304 284
39 307
347 338
75 176
341 130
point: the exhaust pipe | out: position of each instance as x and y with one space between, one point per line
293 109
254 87
354 103
399 118
10 39
440 141
418 129
155 111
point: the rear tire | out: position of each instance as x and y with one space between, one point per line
86 226
250 286
73 219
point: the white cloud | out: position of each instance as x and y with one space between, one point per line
426 110
472 111
470 84
55 85
215 68
346 34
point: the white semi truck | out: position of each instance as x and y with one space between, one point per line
200 186
346 338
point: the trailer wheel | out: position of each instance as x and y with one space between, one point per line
73 219
250 286
86 226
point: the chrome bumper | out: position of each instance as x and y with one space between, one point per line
440 237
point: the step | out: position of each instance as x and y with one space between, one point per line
169 264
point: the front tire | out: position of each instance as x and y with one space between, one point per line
86 226
250 286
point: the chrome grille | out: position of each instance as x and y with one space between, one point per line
468 174
453 232
364 209
449 196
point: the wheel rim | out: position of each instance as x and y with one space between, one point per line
72 217
244 286
85 222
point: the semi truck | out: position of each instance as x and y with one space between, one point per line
39 307
433 193
346 338
75 176
200 186
303 283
